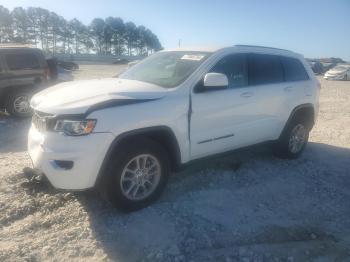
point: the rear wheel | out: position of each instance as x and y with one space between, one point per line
18 104
293 140
137 174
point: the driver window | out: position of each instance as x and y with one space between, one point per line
235 68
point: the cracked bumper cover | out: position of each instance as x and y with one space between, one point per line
86 153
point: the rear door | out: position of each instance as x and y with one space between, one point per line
24 68
272 94
296 79
281 84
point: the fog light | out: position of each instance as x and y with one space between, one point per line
63 164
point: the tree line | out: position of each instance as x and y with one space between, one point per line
54 34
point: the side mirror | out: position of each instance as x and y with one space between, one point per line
215 81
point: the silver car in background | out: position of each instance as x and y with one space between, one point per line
340 72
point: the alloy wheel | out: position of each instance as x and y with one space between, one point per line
297 138
21 104
140 177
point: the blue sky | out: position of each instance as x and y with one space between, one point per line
315 28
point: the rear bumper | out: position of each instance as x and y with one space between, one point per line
85 152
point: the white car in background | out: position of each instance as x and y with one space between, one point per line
340 72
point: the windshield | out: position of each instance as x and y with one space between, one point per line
166 69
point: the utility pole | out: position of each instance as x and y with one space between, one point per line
179 43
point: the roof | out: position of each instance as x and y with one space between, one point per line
197 48
247 47
262 47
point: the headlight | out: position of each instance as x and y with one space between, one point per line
75 127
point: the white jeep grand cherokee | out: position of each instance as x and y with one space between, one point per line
126 134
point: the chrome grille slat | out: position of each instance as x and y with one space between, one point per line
42 121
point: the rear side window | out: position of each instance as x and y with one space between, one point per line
235 68
22 61
293 69
264 69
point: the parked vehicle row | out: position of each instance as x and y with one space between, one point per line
331 70
67 65
340 72
25 71
124 135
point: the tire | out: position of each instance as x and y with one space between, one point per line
293 140
130 191
18 104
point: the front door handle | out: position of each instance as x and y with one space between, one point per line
247 94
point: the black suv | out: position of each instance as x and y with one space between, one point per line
23 71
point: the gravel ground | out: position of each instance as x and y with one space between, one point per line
248 206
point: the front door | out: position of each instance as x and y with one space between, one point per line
222 120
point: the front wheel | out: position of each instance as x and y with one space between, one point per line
137 174
18 104
293 140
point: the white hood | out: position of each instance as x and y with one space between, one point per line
76 97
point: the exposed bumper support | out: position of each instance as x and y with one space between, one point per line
33 175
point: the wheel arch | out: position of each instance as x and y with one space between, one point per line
7 91
160 134
306 112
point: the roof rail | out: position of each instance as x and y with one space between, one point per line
258 46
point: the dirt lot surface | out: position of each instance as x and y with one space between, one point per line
249 206
91 71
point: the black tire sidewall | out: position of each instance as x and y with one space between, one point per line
282 147
114 171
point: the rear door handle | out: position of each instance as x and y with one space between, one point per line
288 88
247 94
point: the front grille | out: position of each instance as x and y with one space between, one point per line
43 122
42 114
